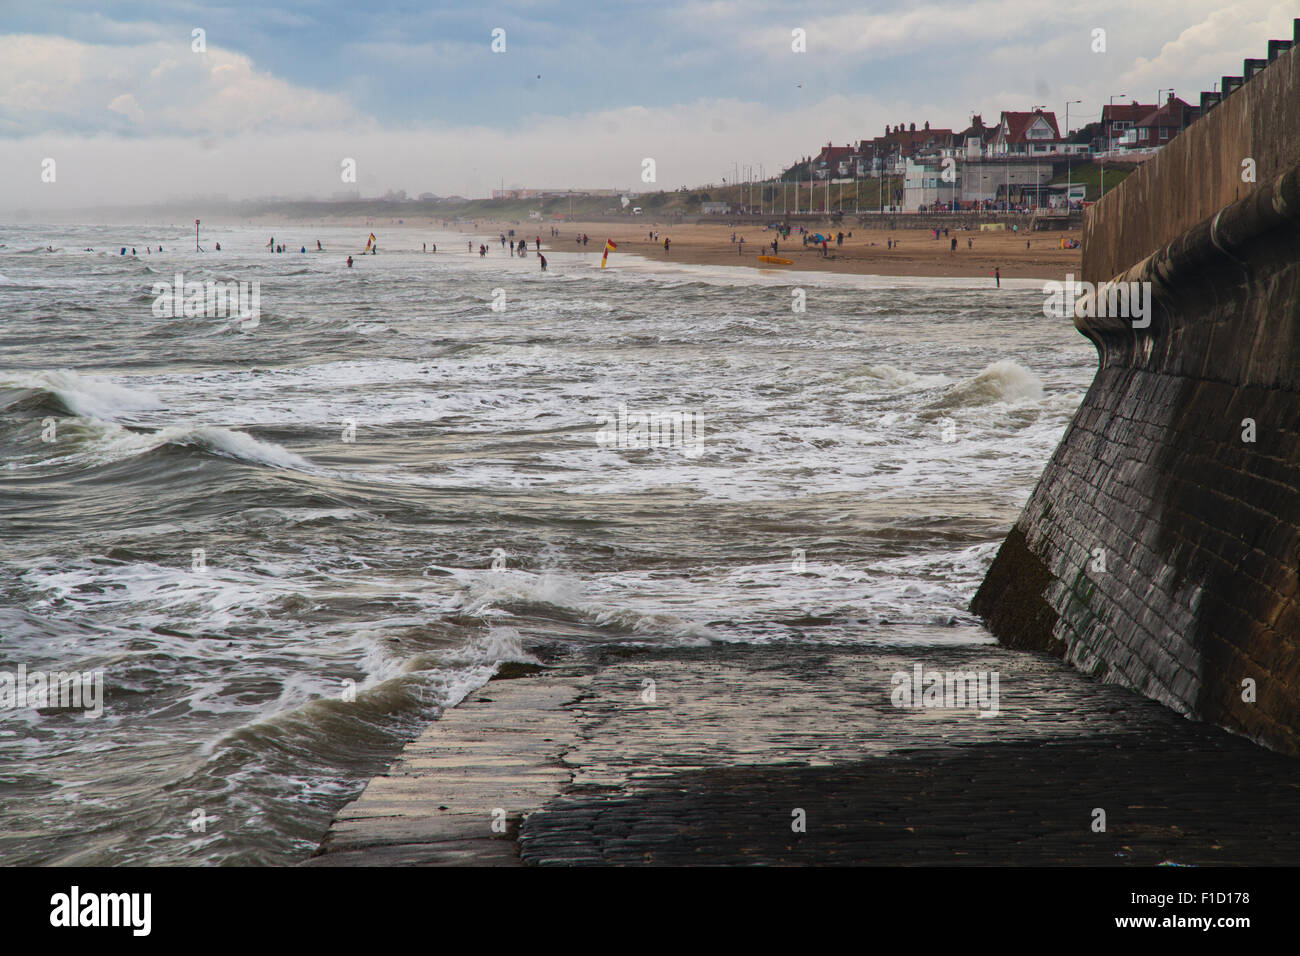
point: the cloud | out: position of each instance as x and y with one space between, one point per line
127 106
706 85
53 84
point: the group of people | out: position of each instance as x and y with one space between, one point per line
280 248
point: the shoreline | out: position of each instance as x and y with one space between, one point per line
869 251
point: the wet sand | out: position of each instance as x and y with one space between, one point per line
866 252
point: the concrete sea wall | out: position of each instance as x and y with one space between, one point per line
1161 547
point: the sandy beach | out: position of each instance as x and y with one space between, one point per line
864 252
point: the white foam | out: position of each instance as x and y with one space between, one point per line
234 444
83 395
1003 381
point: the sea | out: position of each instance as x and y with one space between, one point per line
285 539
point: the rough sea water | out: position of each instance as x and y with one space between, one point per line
859 464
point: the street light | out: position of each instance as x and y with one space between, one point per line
1109 124
1067 160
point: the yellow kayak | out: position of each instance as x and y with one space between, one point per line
776 260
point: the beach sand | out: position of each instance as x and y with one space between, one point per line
865 253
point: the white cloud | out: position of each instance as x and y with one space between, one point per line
52 80
127 106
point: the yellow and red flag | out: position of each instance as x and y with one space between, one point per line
609 244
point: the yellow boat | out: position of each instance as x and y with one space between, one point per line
776 260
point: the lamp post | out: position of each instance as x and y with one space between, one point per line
1109 123
1067 160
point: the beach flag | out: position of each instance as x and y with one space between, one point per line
370 242
609 244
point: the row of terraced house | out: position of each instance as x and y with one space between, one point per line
1006 165
1019 162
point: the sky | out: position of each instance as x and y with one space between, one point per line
130 109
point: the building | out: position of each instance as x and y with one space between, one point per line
1117 120
1024 135
927 184
1161 125
834 162
715 208
889 153
971 142
992 179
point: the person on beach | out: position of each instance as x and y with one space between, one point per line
954 244
666 242
435 247
349 262
319 247
542 259
424 247
584 238
970 243
469 247
740 249
271 245
539 243
997 276
825 248
218 247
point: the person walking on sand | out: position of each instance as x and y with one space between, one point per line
666 242
970 242
997 276
954 244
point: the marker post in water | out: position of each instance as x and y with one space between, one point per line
609 244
